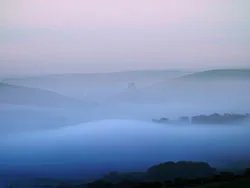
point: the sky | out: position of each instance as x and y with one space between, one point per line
67 36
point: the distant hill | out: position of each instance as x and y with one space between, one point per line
95 87
219 74
20 95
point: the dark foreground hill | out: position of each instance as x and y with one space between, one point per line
238 183
20 95
179 175
164 175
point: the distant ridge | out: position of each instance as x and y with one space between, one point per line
218 74
101 74
21 95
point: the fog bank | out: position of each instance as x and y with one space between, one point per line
90 149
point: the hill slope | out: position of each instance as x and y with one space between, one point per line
219 74
94 86
19 95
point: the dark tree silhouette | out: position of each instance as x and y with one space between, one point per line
100 184
171 170
247 172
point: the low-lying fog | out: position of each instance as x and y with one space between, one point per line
113 129
123 145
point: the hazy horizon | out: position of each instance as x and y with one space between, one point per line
56 37
186 70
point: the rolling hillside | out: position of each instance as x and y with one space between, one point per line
94 86
233 74
19 95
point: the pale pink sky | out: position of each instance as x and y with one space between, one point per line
57 36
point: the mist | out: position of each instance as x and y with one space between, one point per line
92 87
112 128
92 149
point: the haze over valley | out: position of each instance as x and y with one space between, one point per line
66 100
151 91
60 126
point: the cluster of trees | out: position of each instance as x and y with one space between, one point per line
171 170
175 182
220 119
165 171
155 175
169 174
215 118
